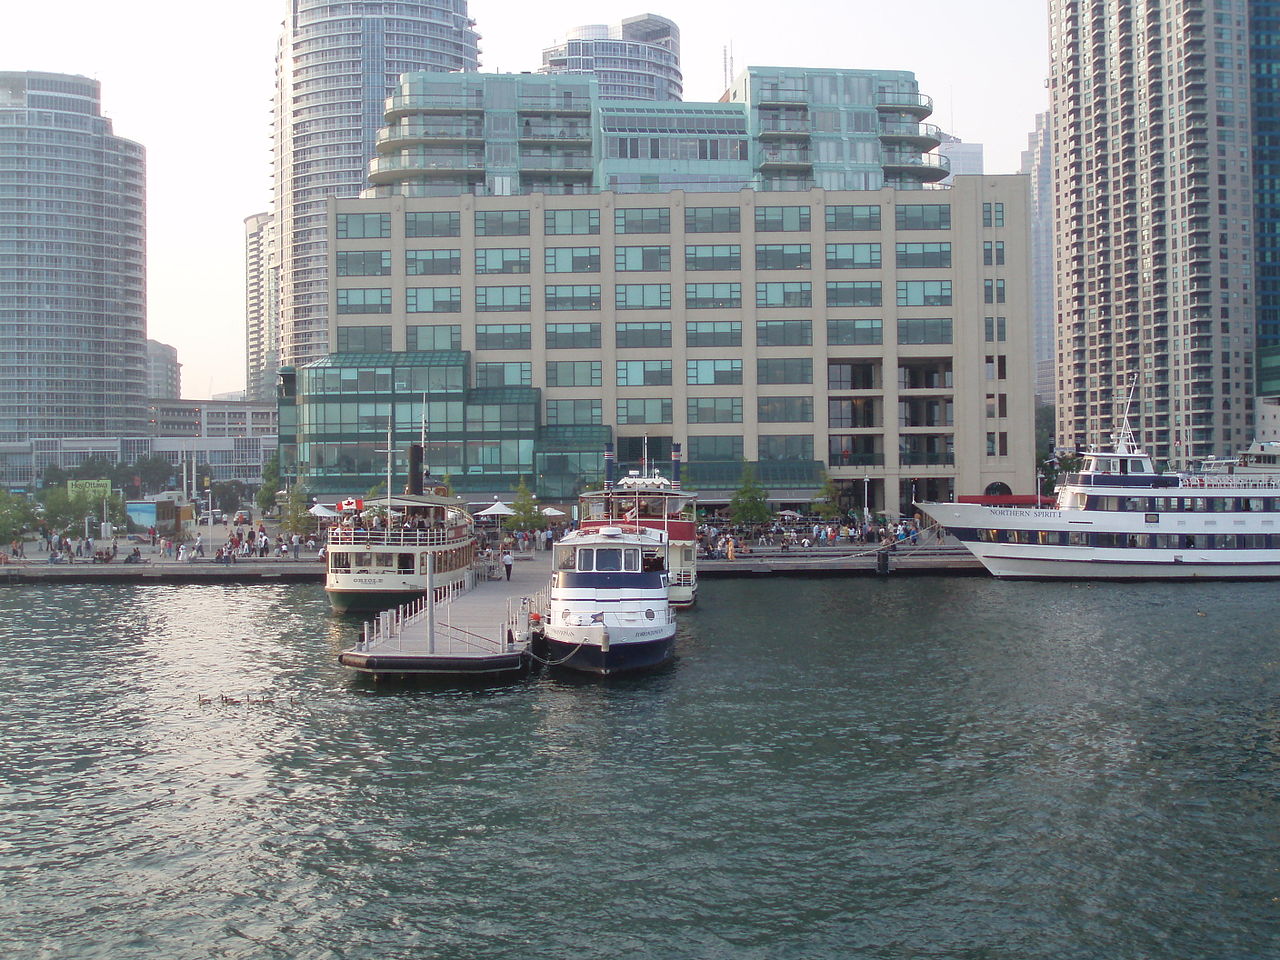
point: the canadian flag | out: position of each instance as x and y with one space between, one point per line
351 503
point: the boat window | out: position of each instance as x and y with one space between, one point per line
340 561
566 559
384 560
404 563
1138 466
608 558
631 560
364 560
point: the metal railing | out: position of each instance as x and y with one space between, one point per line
447 536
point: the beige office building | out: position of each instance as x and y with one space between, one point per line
881 335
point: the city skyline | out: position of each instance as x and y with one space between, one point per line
199 193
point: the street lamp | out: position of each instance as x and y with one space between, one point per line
866 499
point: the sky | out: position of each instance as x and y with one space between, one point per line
193 84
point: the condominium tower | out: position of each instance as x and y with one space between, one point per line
73 340
1156 229
261 307
335 66
637 59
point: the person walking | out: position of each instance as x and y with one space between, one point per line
508 561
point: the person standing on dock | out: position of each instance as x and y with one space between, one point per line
508 561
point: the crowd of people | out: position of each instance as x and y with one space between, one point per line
729 541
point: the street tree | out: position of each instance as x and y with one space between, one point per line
17 515
827 504
266 498
749 503
526 516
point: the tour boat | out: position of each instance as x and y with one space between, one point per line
608 609
1119 519
418 537
649 500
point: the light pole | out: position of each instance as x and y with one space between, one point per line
866 499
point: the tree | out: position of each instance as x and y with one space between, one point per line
266 499
17 515
827 505
229 495
296 517
749 503
95 468
526 516
54 477
63 511
156 473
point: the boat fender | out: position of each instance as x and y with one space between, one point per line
604 641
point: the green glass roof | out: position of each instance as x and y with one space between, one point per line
423 358
503 395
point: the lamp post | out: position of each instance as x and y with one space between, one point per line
866 499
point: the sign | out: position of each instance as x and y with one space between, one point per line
93 488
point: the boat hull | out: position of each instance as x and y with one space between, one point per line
1099 565
370 601
622 657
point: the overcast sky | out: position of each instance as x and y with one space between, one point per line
193 84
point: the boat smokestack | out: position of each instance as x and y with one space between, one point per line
675 466
609 466
414 485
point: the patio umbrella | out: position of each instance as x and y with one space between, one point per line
320 510
789 513
498 509
552 512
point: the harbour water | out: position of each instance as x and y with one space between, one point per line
922 767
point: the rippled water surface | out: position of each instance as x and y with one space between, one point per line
838 768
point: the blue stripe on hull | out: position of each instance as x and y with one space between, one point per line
621 658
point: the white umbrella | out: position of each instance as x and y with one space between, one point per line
498 509
320 510
789 513
552 512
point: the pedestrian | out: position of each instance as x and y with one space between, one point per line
508 561
296 543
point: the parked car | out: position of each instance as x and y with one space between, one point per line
242 516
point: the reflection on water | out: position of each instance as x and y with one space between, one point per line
903 767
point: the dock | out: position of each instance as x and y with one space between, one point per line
484 633
945 558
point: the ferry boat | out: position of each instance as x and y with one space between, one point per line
1119 519
1261 456
649 500
426 536
608 609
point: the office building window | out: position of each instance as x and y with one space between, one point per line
572 413
784 294
853 293
785 447
643 410
359 226
364 300
432 224
784 409
646 334
995 328
847 333
433 300
727 256
712 296
784 333
923 216
642 220
710 449
993 253
364 340
993 291
713 333
502 299
993 214
502 223
782 219
425 337
573 373
573 297
921 330
503 336
642 296
853 256
363 263
856 217
714 410
572 259
502 260
514 374
708 372
784 370
644 373
426 263
783 256
917 255
712 220
631 259
924 293
573 336
558 223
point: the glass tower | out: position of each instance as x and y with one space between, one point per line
335 66
638 59
73 341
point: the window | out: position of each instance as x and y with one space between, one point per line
357 226
923 216
993 253
915 255
853 217
708 372
784 294
573 373
422 337
784 409
492 417
714 410
503 336
424 263
573 297
502 223
364 339
642 296
993 291
572 259
924 293
726 256
432 224
782 219
502 260
712 296
853 293
993 214
649 334
563 222
853 375
713 333
573 336
712 220
710 449
996 367
853 256
627 259
502 299
924 330
371 300
786 447
561 413
783 256
784 370
363 263
995 328
643 410
784 333
642 220
518 374
433 300
644 373
855 332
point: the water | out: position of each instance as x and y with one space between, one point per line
836 768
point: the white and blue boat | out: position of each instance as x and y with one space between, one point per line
609 609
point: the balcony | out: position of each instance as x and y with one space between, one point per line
778 96
402 105
415 132
916 104
531 132
561 106
785 160
924 168
916 136
391 169
773 129
558 163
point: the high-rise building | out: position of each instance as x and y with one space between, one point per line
261 307
637 59
335 66
1037 164
73 322
164 372
1156 228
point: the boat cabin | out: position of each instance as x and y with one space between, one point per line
1120 464
597 555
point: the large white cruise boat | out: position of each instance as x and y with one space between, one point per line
1119 519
